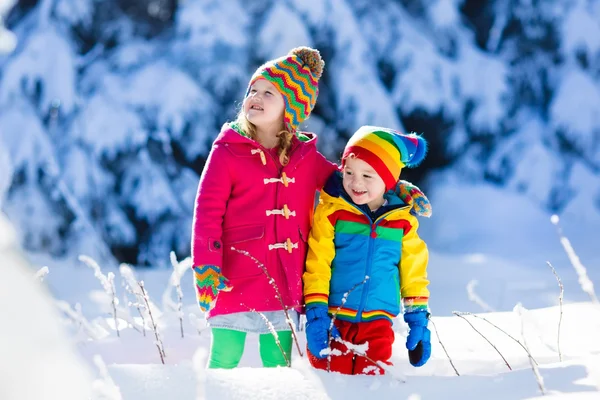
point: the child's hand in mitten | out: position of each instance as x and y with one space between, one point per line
209 282
318 323
418 341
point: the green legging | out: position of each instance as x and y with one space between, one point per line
227 348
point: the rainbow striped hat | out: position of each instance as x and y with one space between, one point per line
296 76
386 151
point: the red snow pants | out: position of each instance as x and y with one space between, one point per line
379 336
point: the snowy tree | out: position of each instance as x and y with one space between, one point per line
108 108
8 41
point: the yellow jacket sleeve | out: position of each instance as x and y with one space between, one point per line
413 270
321 251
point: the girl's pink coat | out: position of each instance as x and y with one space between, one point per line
231 210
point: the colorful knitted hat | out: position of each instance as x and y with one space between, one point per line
386 151
296 76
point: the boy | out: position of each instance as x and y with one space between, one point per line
364 254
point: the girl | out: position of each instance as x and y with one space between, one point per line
256 194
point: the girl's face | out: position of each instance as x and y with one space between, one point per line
264 106
362 183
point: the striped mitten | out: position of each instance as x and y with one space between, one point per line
209 282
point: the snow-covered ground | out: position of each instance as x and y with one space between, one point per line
134 362
482 371
516 291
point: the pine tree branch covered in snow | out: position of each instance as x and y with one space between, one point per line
8 41
124 97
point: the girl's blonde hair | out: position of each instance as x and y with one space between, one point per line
285 137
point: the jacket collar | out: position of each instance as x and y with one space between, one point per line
302 142
402 195
229 135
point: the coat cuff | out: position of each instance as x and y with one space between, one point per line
415 304
316 299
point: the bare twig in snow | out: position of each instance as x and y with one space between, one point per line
108 283
560 305
474 297
199 323
143 303
497 327
277 293
483 336
158 342
125 314
536 372
179 268
104 387
334 316
75 315
443 347
584 281
138 306
114 301
132 287
273 332
41 274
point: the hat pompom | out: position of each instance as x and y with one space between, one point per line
420 151
311 58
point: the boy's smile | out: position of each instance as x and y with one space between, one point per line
362 183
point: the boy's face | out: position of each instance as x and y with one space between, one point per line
264 105
362 183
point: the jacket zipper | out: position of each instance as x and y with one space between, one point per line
365 291
373 225
365 288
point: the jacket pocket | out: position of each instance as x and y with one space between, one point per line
384 294
248 239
